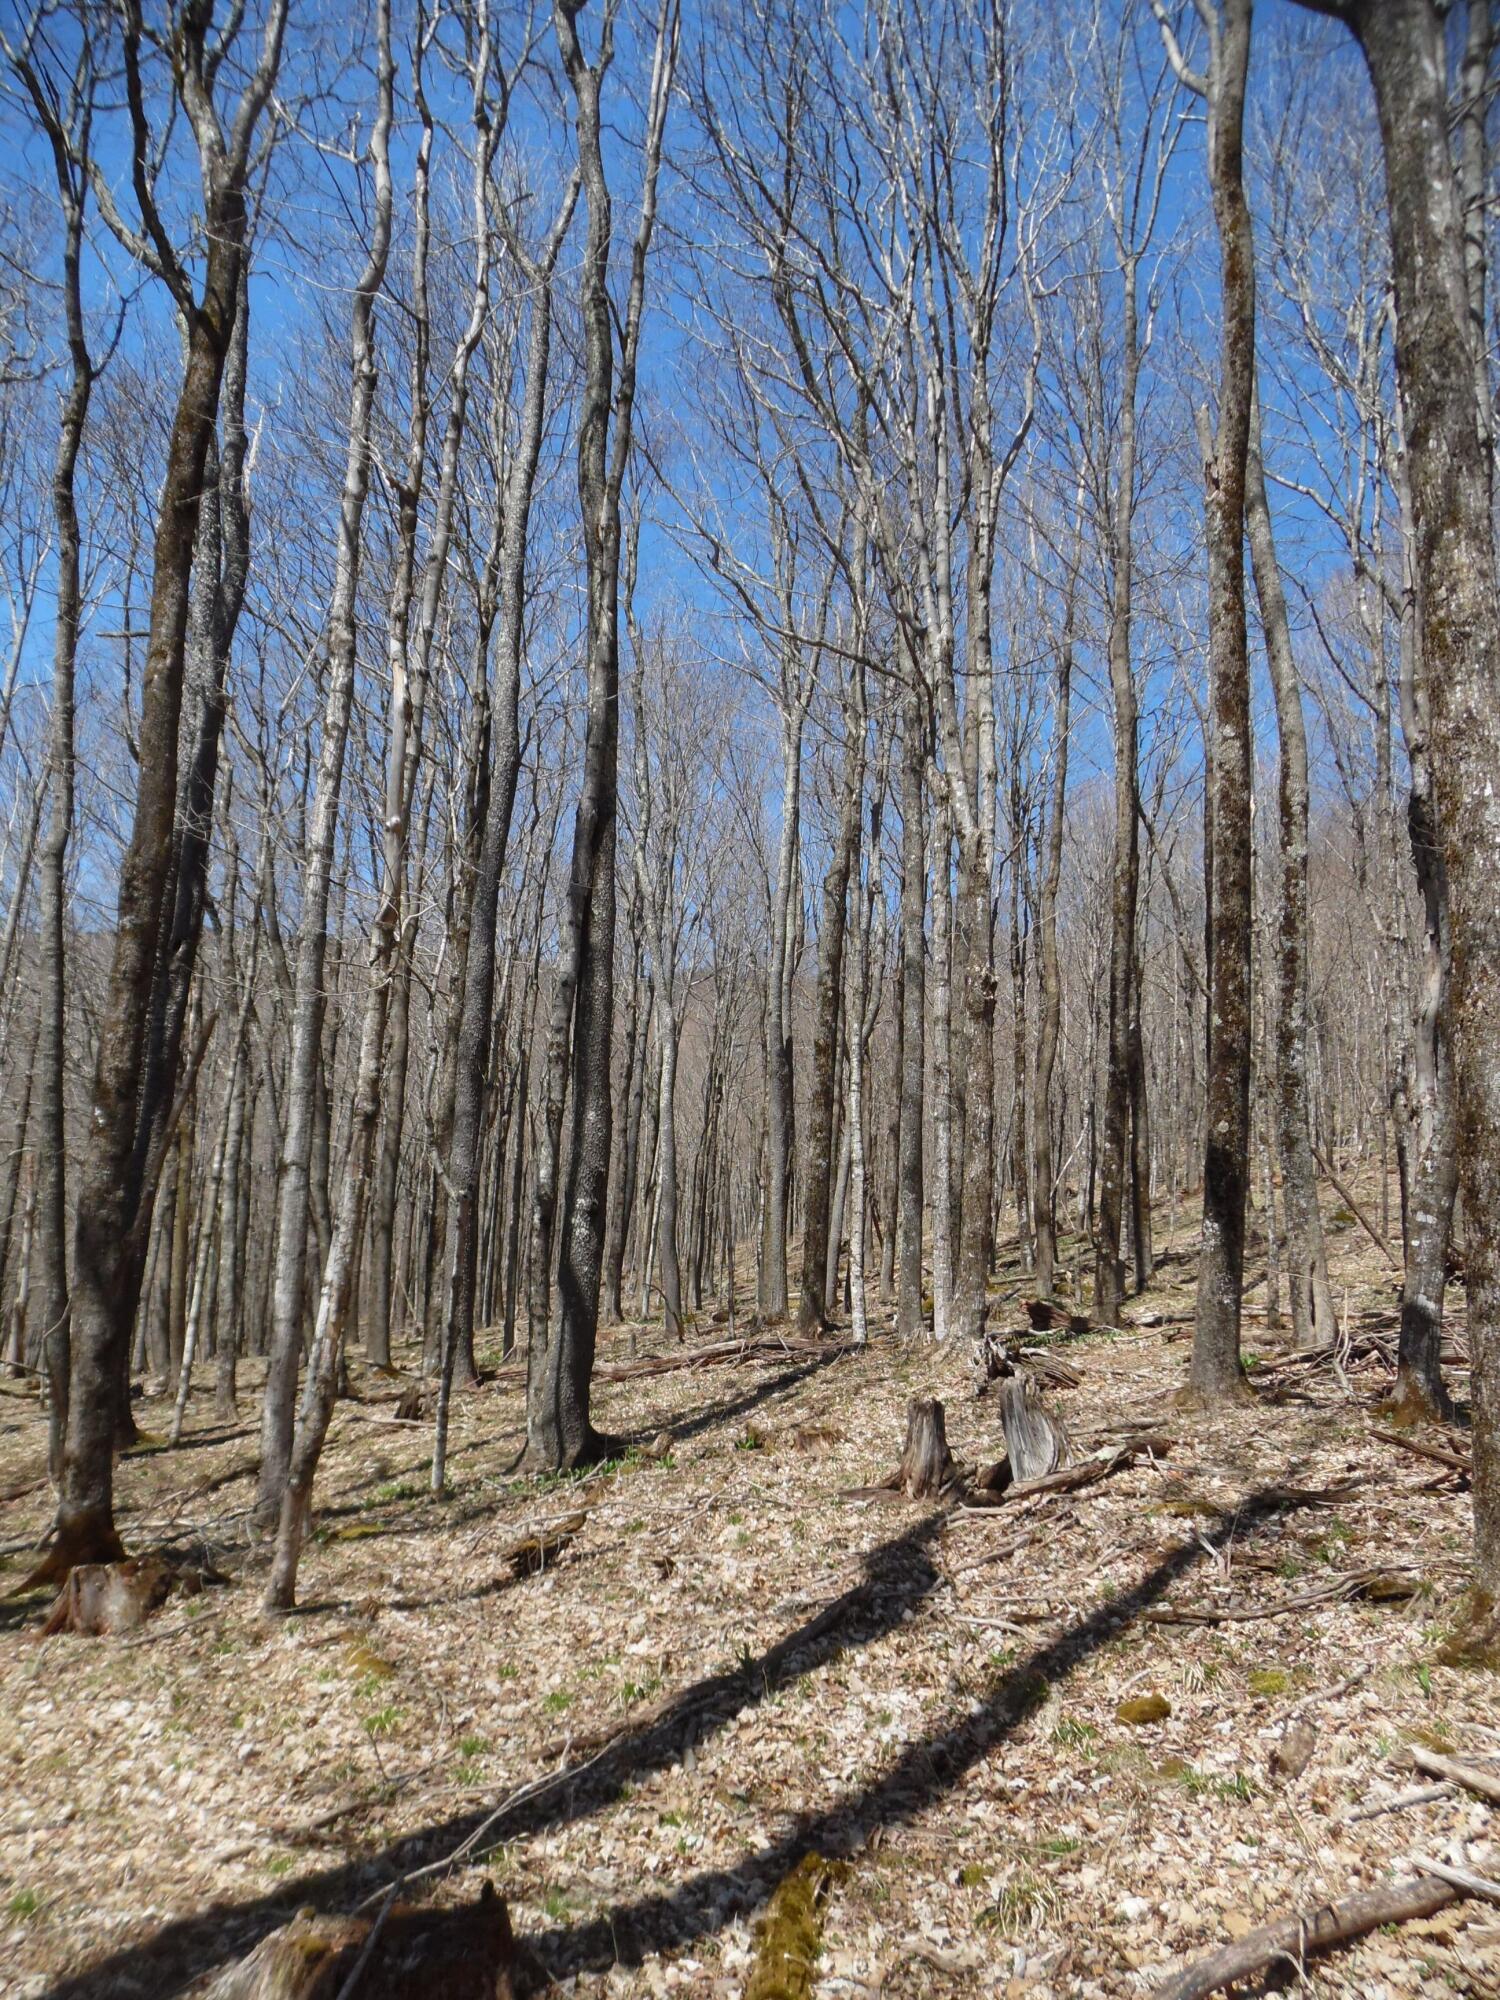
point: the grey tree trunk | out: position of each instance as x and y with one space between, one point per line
304 1062
1458 623
1306 1261
1216 1370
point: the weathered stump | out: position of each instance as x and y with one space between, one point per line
1035 1441
467 1954
926 1463
99 1599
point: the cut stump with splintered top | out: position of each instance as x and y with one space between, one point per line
407 1954
1035 1441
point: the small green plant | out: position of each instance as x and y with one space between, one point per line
1072 1734
557 1701
1424 1678
750 1439
383 1722
1268 1681
472 1746
1060 1845
555 1903
397 1489
24 1903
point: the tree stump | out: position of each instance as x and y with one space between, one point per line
99 1599
926 1463
467 1954
1037 1443
993 1361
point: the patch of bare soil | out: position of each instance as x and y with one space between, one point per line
1052 1746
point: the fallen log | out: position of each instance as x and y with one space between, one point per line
1291 1940
1454 1460
1484 1784
1069 1478
400 1953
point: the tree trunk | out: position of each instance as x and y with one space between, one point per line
1306 1262
910 1317
558 1427
1458 622
1216 1369
1044 1196
818 1170
1109 1250
926 1464
116 1172
293 1192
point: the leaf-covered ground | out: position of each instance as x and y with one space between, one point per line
732 1668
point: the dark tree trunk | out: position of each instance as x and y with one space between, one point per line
1043 1194
1109 1250
117 1172
818 1169
909 1314
1216 1368
558 1427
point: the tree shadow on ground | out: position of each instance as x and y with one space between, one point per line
712 1415
898 1574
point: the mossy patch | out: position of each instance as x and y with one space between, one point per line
1142 1709
1268 1681
366 1662
1190 1507
789 1936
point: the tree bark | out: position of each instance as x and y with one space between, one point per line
1449 472
1306 1262
304 1061
116 1172
818 1166
910 1317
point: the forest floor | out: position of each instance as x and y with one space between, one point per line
732 1668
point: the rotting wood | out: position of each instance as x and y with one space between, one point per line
399 1954
1484 1784
1289 1941
926 1466
1036 1442
788 1936
101 1599
538 1551
1455 1461
1359 1582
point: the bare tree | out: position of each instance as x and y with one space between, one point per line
1216 1367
